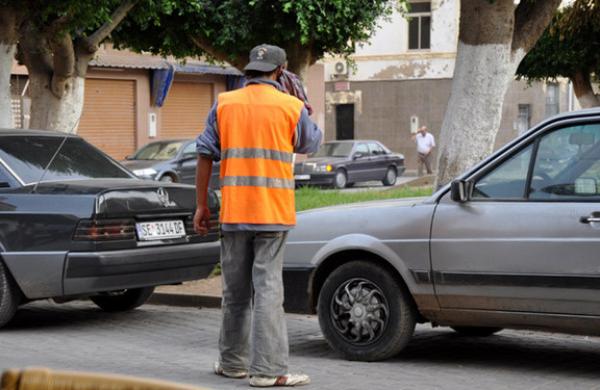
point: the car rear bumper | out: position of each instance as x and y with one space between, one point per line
89 272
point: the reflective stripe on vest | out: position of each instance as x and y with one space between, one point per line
257 127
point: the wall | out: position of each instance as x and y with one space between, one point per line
383 110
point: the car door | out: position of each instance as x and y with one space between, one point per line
379 162
529 238
359 165
187 163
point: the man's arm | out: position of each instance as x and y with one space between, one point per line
308 135
209 149
202 216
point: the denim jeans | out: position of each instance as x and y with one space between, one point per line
253 332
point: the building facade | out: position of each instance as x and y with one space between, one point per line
122 110
402 79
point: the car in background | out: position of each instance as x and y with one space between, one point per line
75 223
512 243
343 163
171 161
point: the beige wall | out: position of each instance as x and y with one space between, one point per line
383 110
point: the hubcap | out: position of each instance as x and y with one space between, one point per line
391 176
359 311
340 178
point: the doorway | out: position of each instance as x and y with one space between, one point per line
344 121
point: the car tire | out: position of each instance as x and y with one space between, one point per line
10 296
391 175
475 331
384 309
123 300
340 180
168 179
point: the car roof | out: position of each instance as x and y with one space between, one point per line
30 132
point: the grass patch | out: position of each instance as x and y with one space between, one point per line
311 197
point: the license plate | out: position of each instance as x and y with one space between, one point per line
302 177
160 230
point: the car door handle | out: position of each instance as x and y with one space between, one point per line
590 219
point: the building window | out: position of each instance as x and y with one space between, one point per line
419 26
551 99
524 118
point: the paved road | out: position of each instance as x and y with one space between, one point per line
179 344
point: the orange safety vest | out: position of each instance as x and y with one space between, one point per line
257 126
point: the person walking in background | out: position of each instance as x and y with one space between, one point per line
254 131
425 144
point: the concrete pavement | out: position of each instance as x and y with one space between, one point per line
179 344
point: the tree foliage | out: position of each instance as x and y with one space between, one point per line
226 30
569 44
569 48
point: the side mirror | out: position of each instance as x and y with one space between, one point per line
357 155
130 157
461 190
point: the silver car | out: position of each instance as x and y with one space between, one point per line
512 243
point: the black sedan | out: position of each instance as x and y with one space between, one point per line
74 223
343 163
169 161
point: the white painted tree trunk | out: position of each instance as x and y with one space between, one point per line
481 78
7 55
51 113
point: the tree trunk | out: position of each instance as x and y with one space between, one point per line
299 58
493 39
482 72
582 86
48 112
7 55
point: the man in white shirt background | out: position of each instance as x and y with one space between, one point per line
425 144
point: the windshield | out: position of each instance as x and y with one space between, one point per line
159 151
29 156
334 149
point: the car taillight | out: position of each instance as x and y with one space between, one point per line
103 230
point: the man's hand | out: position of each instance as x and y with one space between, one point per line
202 220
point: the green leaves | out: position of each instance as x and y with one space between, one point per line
233 27
569 45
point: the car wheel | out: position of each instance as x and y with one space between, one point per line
364 313
341 179
476 331
9 296
390 177
123 300
168 179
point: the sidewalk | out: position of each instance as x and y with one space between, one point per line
198 293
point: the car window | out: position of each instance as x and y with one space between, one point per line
567 164
362 148
29 156
189 149
376 149
159 151
507 181
6 179
334 149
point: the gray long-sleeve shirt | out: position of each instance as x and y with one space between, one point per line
308 138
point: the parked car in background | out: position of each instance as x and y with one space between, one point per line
169 161
75 223
343 163
512 243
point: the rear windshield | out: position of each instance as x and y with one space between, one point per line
159 151
28 156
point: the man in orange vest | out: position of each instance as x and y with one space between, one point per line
254 131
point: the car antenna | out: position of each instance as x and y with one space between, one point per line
55 154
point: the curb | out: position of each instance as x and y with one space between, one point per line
185 300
